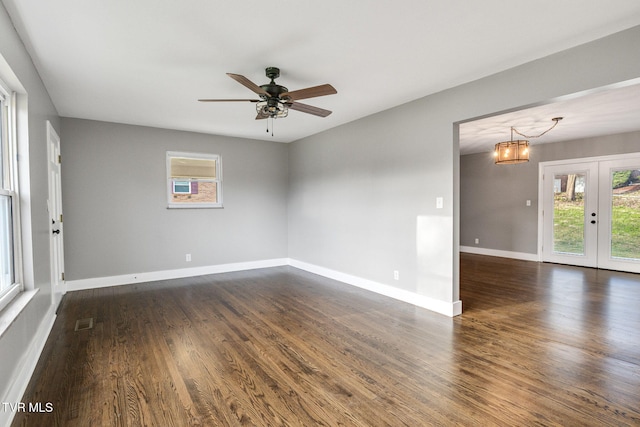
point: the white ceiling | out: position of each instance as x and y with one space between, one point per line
146 62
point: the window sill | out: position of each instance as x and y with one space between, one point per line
194 206
11 312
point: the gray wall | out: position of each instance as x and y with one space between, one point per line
35 109
362 200
363 196
501 219
115 205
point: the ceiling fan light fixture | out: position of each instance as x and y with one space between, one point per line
273 108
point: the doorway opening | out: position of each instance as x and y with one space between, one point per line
56 229
499 204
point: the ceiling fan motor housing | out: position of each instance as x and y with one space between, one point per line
272 88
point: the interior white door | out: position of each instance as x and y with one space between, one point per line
570 214
56 229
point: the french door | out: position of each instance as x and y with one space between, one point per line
591 213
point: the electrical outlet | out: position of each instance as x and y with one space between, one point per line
396 275
188 257
477 241
528 202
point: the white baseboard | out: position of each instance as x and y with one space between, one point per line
127 279
443 307
23 372
447 308
503 254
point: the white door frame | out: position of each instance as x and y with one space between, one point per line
602 216
54 205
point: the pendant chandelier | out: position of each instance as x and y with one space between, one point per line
511 152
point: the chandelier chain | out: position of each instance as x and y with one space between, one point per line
555 120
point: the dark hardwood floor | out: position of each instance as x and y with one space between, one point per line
537 344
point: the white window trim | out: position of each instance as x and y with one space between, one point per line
218 181
10 99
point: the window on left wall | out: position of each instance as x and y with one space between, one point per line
9 222
194 180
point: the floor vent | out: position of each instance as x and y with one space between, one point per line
83 324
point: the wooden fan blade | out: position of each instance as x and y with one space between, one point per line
309 109
310 92
229 100
248 84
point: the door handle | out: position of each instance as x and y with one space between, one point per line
56 231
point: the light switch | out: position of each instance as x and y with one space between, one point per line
439 203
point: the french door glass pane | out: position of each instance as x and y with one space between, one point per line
6 243
625 214
568 214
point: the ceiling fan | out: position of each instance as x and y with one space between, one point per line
275 100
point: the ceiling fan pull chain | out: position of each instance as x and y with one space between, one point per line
270 118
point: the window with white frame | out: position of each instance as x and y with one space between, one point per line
9 278
194 180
